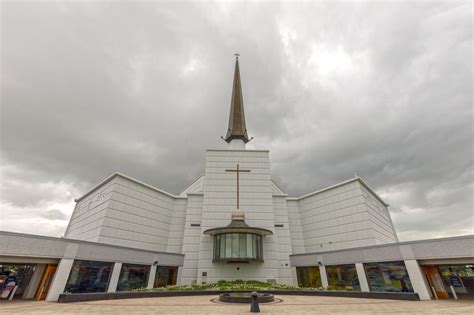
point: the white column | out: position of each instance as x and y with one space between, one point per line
114 278
364 285
294 276
324 277
30 291
151 277
417 279
60 279
179 277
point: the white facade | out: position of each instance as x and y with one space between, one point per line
125 221
123 211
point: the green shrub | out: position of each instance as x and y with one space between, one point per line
235 285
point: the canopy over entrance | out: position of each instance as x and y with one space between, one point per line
238 225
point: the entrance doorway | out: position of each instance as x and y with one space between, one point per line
458 278
45 283
436 282
165 276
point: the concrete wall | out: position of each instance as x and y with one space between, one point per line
220 202
283 240
26 248
296 229
137 216
176 233
346 215
444 248
335 218
413 254
381 223
124 211
191 239
88 216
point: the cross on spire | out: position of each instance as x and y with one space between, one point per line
238 171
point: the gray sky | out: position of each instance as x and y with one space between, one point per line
383 89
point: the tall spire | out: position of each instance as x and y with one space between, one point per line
237 128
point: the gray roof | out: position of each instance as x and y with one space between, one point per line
238 226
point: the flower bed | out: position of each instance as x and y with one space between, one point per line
236 285
216 288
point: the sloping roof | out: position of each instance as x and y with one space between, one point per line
238 226
108 179
276 191
195 188
356 178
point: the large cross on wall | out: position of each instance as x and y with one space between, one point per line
238 170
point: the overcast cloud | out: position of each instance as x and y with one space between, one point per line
383 89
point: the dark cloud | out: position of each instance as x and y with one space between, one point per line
331 88
55 214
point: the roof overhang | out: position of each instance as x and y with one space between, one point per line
243 229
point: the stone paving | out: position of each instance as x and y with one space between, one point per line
203 305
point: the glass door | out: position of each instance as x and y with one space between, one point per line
435 281
45 282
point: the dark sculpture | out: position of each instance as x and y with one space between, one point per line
254 308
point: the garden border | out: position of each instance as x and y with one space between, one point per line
85 297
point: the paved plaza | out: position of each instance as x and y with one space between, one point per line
204 305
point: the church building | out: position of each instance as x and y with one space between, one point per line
234 222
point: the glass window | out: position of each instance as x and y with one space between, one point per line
88 276
133 277
343 277
308 277
165 276
456 275
235 245
222 246
388 277
254 245
243 245
249 245
228 245
238 247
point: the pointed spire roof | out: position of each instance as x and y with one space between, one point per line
237 128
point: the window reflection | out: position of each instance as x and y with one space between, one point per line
165 276
388 277
343 277
88 276
133 277
308 277
238 247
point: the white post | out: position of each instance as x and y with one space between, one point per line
151 277
60 279
179 278
30 290
417 279
114 278
12 293
324 277
364 285
454 292
294 276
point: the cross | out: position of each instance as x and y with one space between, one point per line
237 55
238 171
